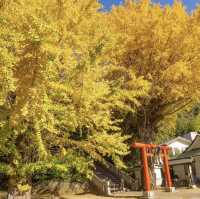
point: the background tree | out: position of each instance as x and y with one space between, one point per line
160 44
188 120
166 129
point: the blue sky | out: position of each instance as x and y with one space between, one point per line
190 4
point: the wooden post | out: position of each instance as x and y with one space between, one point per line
192 183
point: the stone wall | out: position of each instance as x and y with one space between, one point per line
60 188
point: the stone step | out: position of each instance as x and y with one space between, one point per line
115 181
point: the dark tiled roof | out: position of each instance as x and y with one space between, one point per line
188 154
192 150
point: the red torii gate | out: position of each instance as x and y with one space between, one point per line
146 151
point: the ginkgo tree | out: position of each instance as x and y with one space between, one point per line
59 88
160 44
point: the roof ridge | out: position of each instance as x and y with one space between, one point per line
178 137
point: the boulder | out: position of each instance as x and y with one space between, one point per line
16 195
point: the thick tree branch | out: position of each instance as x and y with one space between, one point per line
179 108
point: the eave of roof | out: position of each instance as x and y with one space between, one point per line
192 150
189 154
181 139
180 161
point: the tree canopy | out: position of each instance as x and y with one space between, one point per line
161 44
76 83
59 89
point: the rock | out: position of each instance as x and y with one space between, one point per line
41 188
63 188
79 188
46 187
53 186
16 195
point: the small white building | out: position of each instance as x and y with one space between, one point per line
187 165
178 145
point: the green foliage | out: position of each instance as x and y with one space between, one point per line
174 155
188 120
166 129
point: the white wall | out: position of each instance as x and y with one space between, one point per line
190 136
159 177
177 146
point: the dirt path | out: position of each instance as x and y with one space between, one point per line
178 194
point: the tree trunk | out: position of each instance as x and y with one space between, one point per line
16 195
147 120
147 133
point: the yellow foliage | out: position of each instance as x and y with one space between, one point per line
59 85
161 44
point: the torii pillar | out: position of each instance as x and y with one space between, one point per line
165 149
